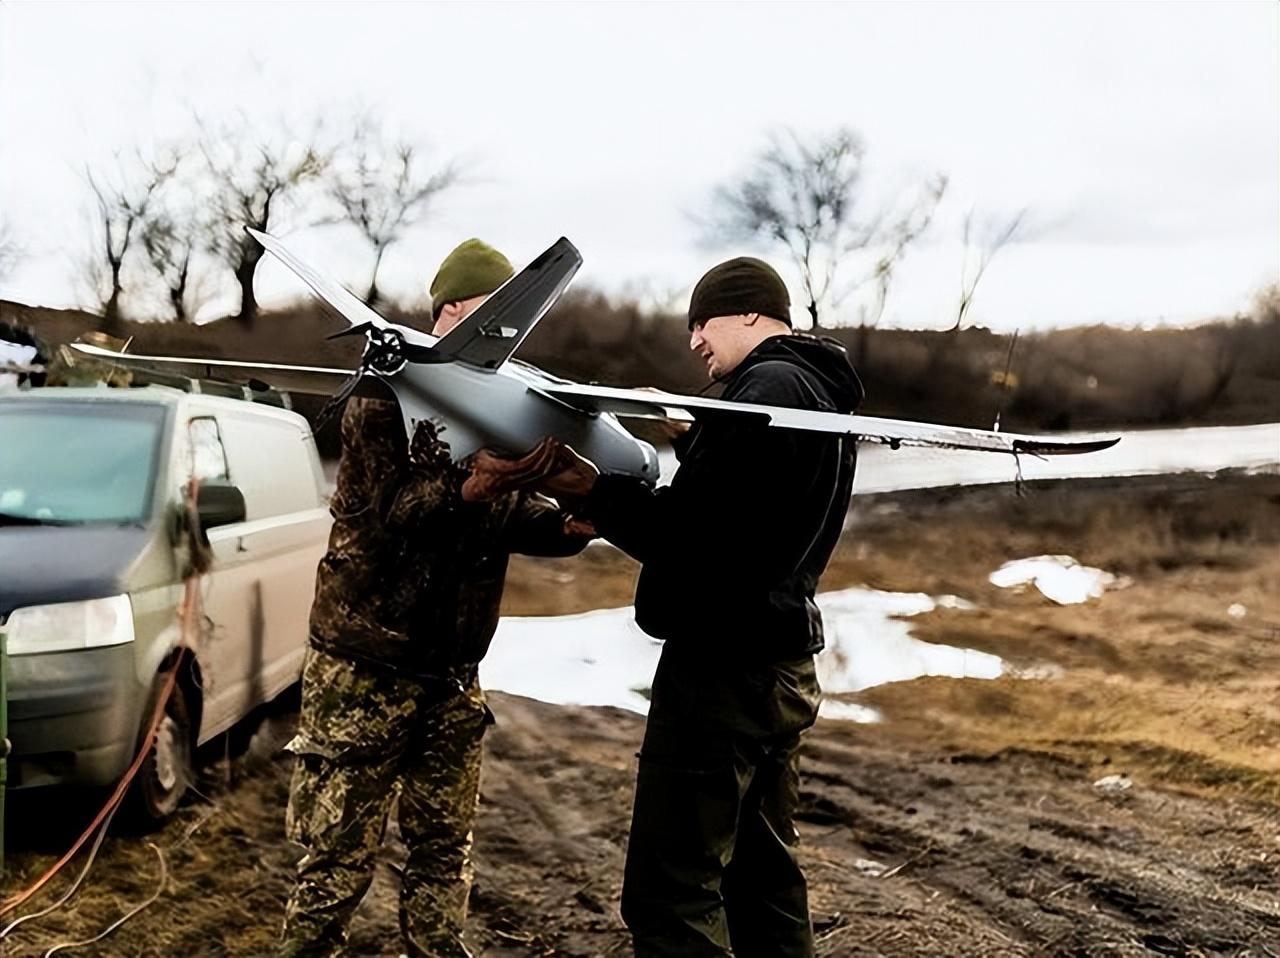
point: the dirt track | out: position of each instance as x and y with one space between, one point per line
976 798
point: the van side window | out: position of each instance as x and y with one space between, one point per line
208 455
273 460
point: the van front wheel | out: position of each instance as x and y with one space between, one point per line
166 772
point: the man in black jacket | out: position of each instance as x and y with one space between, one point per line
731 552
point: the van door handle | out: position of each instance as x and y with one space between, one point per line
240 545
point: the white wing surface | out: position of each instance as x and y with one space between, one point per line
653 404
316 380
337 296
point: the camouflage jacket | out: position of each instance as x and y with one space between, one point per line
413 576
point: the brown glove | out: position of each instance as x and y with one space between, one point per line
493 474
585 528
571 476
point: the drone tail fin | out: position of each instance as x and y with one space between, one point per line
497 327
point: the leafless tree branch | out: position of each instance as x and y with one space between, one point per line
122 197
383 188
253 179
981 243
805 196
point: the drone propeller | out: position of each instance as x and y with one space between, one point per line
358 330
384 355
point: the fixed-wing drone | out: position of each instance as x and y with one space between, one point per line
468 385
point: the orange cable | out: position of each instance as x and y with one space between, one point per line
189 601
17 900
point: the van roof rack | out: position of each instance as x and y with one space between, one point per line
257 393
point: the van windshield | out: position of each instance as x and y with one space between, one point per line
77 462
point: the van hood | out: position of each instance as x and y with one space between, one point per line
41 565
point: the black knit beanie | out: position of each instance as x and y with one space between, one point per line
741 285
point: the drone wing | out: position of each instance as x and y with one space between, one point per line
333 294
316 380
652 404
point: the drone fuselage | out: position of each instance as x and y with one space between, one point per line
473 408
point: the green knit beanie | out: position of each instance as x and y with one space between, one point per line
739 286
473 269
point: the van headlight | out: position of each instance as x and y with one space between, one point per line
70 625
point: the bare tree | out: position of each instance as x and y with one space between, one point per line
122 198
981 243
253 179
170 242
905 229
12 252
805 196
383 188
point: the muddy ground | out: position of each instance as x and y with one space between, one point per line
975 798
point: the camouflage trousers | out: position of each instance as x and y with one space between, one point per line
366 737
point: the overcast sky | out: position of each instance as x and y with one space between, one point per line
1144 138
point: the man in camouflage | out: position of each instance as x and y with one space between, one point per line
406 605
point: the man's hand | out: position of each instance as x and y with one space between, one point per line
572 477
583 528
550 467
493 474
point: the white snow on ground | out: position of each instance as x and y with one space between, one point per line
596 658
868 643
843 711
1060 578
602 658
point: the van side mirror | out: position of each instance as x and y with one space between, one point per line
219 504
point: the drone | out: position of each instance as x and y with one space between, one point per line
476 394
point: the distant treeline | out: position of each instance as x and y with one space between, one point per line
1226 372
1220 373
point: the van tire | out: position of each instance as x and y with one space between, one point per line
166 773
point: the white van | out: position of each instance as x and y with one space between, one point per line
92 559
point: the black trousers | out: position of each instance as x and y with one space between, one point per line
710 868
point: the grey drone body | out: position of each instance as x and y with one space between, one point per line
472 408
468 385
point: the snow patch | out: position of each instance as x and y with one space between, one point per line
596 658
868 644
1059 578
842 711
603 658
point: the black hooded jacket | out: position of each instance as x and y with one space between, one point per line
732 550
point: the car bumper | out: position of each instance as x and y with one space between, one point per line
73 716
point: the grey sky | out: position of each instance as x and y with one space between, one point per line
1143 137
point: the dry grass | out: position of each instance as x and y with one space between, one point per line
1157 678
